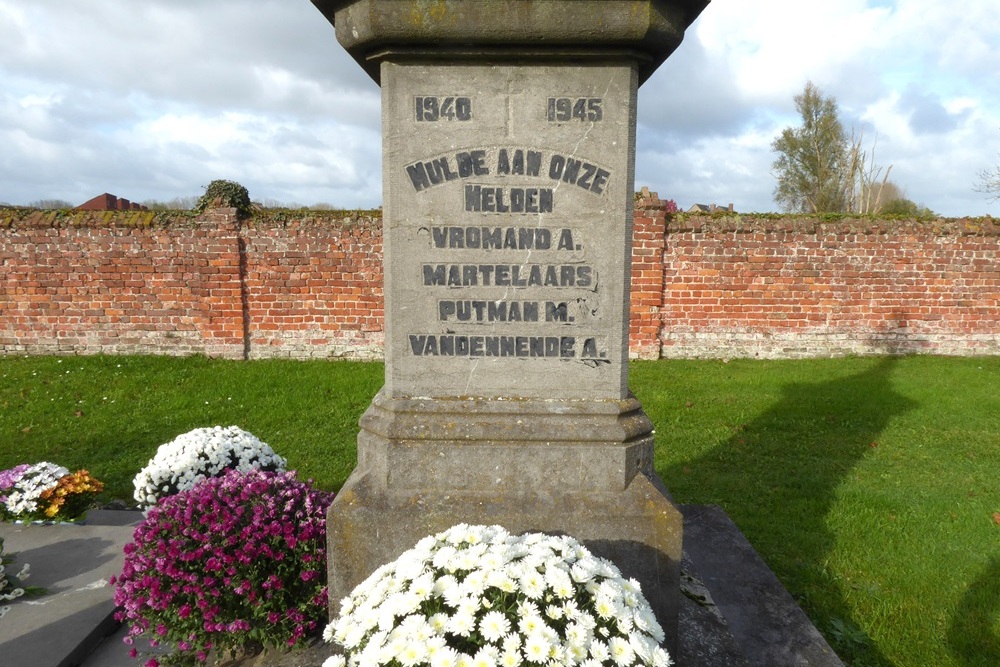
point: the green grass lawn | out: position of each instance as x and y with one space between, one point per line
869 485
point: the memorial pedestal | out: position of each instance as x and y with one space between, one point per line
508 162
580 468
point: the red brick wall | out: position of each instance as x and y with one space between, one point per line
167 283
738 286
310 285
649 234
118 283
314 288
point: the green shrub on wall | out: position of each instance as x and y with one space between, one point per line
226 194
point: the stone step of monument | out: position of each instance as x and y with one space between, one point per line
734 603
734 612
73 563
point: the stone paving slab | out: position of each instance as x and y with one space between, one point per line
73 563
770 629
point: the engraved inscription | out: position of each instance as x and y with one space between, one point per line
432 108
503 238
425 174
563 109
508 275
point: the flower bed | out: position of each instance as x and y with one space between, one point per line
476 596
236 563
46 491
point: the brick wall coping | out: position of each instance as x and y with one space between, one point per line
26 218
726 223
766 223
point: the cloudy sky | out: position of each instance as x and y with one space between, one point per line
154 99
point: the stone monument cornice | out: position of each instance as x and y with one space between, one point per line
643 31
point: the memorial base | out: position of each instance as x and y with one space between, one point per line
580 468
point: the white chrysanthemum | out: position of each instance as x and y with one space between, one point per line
646 621
606 607
474 583
578 634
446 657
599 651
198 455
422 586
352 636
434 645
335 661
499 593
444 584
643 646
443 558
510 659
493 559
530 624
661 658
610 589
537 648
527 608
438 622
512 642
462 624
455 534
413 652
623 621
499 579
560 582
484 658
532 584
407 570
493 626
621 651
584 570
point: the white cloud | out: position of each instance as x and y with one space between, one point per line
154 99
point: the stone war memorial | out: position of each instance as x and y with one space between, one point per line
508 161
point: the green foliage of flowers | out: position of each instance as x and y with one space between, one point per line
237 563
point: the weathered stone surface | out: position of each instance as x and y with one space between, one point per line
770 628
517 448
506 235
646 31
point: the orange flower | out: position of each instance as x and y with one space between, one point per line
76 483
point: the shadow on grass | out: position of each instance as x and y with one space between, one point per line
972 633
777 477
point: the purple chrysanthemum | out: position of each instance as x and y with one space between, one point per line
235 561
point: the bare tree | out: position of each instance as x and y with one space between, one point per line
50 204
989 183
864 191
